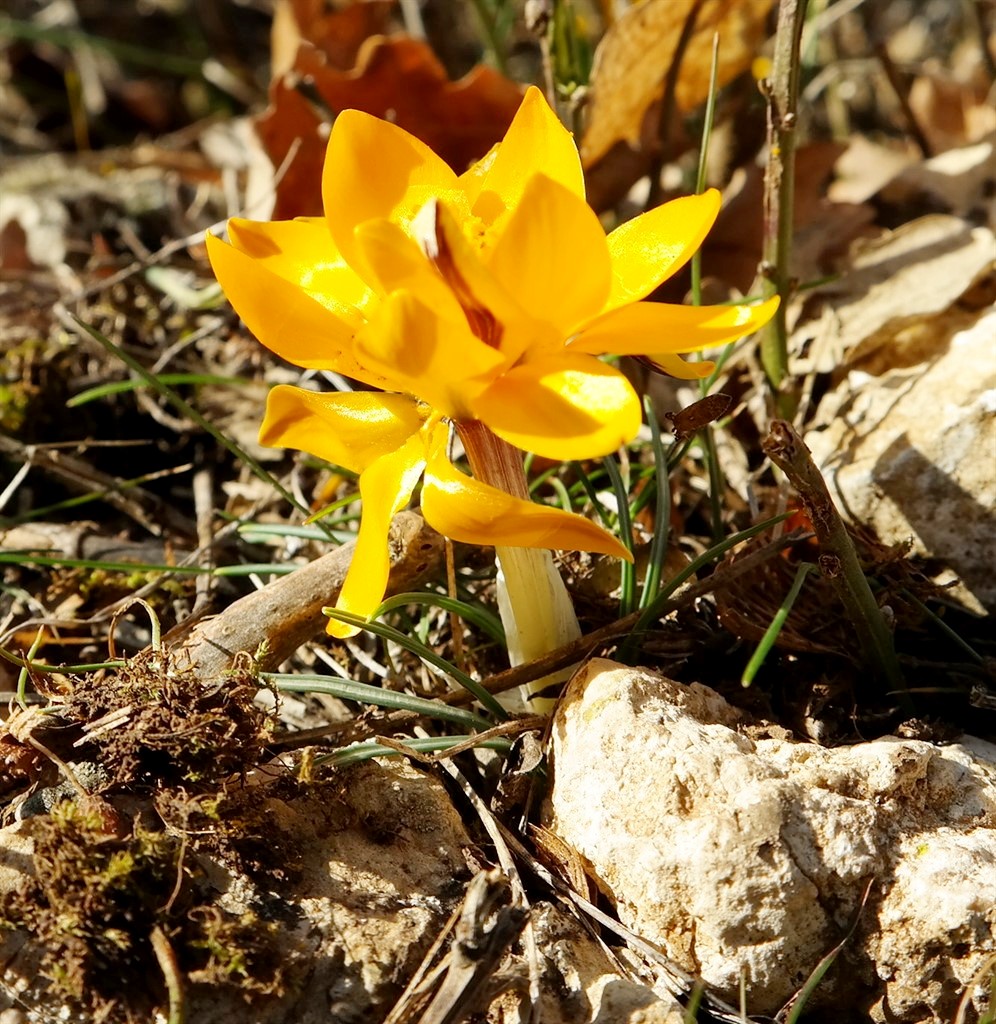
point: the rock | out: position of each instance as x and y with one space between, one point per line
737 854
580 984
910 454
364 877
943 891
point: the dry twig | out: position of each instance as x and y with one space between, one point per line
273 622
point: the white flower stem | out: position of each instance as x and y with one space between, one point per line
535 608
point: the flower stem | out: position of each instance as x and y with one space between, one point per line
779 183
533 602
492 460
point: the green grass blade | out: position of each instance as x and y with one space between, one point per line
562 493
721 361
771 633
361 693
716 478
365 751
627 600
486 621
412 645
717 481
700 177
26 558
798 1003
592 492
658 545
678 452
119 387
22 676
256 569
951 634
653 610
281 531
691 1014
44 667
647 494
332 508
537 481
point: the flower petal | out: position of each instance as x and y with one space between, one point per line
551 255
475 513
385 488
421 352
535 139
376 169
287 320
567 406
348 428
472 179
392 260
650 248
675 366
302 252
649 328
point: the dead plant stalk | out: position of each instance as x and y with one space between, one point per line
782 90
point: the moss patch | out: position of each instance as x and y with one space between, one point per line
171 728
115 868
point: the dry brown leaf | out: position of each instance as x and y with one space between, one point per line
633 58
338 34
823 229
867 165
398 78
952 113
293 134
733 249
14 248
898 290
32 231
958 181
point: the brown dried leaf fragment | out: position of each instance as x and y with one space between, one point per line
633 58
396 78
338 34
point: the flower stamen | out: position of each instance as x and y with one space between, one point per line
428 230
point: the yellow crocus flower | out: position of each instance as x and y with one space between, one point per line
479 298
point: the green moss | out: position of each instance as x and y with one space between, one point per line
15 400
238 951
93 902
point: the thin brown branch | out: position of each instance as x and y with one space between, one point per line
838 558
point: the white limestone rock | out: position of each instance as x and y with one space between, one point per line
580 983
910 451
738 854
